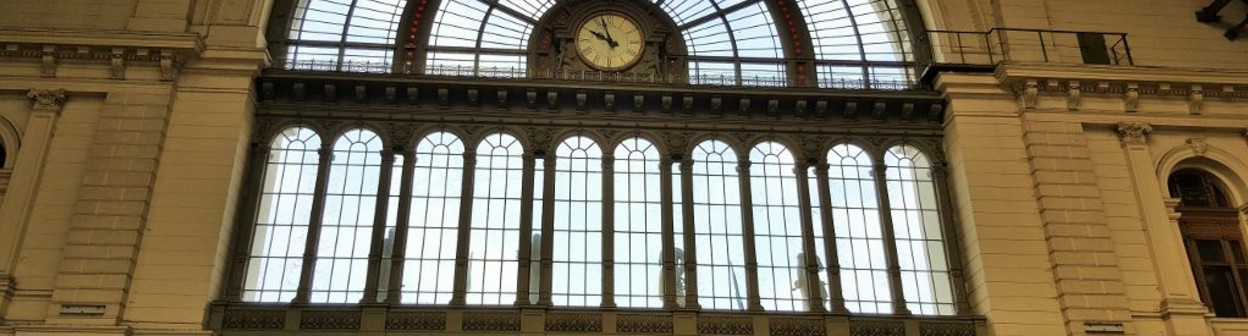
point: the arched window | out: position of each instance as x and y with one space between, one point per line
777 227
638 225
578 224
336 35
283 214
718 230
917 227
483 38
859 235
861 43
495 235
1213 240
347 223
429 268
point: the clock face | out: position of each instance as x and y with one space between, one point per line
609 41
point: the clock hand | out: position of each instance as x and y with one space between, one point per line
599 36
610 41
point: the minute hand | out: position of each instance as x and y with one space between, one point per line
610 41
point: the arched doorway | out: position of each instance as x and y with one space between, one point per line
1213 240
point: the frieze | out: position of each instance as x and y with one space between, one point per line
797 327
946 329
491 322
877 328
166 53
416 321
574 322
643 324
254 319
725 325
329 320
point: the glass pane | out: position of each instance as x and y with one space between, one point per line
1237 251
778 229
433 229
638 225
282 217
1210 250
717 227
859 236
578 224
495 234
917 226
1222 292
347 223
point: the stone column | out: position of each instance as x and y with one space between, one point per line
608 230
814 300
465 228
747 220
691 256
949 229
879 170
394 287
379 227
668 233
314 225
548 228
835 294
526 231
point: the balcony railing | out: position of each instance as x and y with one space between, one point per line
1029 45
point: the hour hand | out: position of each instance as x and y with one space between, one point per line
599 35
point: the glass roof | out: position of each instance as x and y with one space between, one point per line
730 42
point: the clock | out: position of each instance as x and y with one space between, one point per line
609 41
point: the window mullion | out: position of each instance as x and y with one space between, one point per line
836 296
242 239
379 227
890 238
548 229
398 254
465 227
303 294
668 233
691 257
526 231
953 249
747 219
608 230
811 260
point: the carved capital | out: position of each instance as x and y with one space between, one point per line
1030 91
47 99
1134 133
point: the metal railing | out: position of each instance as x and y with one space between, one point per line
1029 45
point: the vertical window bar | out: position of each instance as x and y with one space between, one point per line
687 209
437 218
667 194
527 216
890 237
293 174
814 285
345 230
576 261
836 296
495 222
608 228
402 224
390 249
548 227
751 246
380 221
303 294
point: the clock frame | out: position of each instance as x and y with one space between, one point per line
586 41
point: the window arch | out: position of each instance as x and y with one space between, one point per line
859 234
347 222
777 227
283 215
433 229
919 237
718 230
1213 240
578 224
638 225
495 232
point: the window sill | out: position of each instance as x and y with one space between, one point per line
257 319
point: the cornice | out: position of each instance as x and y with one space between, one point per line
1028 80
115 49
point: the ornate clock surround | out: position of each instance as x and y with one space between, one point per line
553 47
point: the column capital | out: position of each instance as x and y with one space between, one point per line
1134 132
51 100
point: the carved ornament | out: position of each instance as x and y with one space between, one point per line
47 99
1134 133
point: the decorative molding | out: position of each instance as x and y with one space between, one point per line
254 319
946 329
1030 93
118 51
1134 133
643 324
877 328
47 99
1195 99
431 321
1131 98
329 320
1129 83
725 325
574 322
491 322
1073 94
797 327
1198 145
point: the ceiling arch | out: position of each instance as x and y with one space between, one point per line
849 43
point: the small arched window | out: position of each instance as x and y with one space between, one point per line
429 270
917 228
495 232
777 228
347 223
638 225
283 215
718 231
1213 240
859 235
577 250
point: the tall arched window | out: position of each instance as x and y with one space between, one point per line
718 231
917 227
777 227
347 223
638 225
1214 242
495 234
282 217
578 224
859 235
429 268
